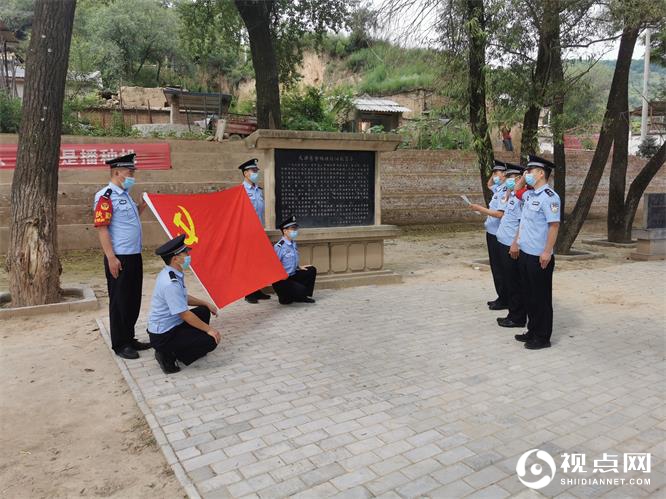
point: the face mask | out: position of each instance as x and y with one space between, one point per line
187 262
511 183
254 177
293 234
530 179
128 183
496 180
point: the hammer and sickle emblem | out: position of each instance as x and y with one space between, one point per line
188 227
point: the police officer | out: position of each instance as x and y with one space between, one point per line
299 286
537 233
250 170
119 228
177 332
496 185
512 207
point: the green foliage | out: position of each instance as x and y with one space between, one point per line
435 133
129 40
306 110
387 68
648 147
17 14
10 113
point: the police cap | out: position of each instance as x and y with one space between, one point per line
173 247
289 222
252 163
126 161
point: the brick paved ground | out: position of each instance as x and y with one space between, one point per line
411 390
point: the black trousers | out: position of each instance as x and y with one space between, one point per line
513 284
495 268
297 286
124 298
185 342
537 296
255 294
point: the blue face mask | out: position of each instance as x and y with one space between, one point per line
530 179
254 177
511 183
187 262
293 234
128 183
496 180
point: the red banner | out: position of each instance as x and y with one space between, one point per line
83 156
231 254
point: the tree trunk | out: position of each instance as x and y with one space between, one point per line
548 37
618 174
483 146
619 86
32 260
636 190
559 156
256 15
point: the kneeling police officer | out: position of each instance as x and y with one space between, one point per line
177 332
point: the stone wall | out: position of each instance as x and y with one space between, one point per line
417 186
425 186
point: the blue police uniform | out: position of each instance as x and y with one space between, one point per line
541 207
492 225
169 300
170 336
508 227
256 195
115 209
125 226
287 252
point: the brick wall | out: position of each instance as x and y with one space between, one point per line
425 186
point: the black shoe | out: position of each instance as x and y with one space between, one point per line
506 322
251 299
307 299
127 352
525 337
167 362
263 296
496 305
140 345
537 345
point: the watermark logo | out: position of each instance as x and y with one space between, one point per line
547 469
604 471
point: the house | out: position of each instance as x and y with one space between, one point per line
374 111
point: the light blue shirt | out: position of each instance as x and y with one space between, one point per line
169 300
125 227
287 252
492 223
256 196
509 223
541 207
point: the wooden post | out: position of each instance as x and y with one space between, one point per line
150 115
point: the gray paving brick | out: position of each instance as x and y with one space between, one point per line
406 400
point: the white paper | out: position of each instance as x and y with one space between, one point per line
464 198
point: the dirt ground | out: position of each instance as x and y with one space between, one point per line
69 424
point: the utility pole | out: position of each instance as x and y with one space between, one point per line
646 77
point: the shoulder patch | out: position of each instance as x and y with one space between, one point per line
107 193
549 192
172 276
504 188
280 242
260 188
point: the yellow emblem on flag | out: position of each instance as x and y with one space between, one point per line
188 227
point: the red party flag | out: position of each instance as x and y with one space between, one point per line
231 254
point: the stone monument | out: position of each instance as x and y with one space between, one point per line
652 237
331 183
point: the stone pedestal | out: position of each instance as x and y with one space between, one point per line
651 243
345 255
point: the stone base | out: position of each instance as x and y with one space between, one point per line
609 244
640 257
87 301
651 244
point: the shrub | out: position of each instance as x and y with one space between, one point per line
10 113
